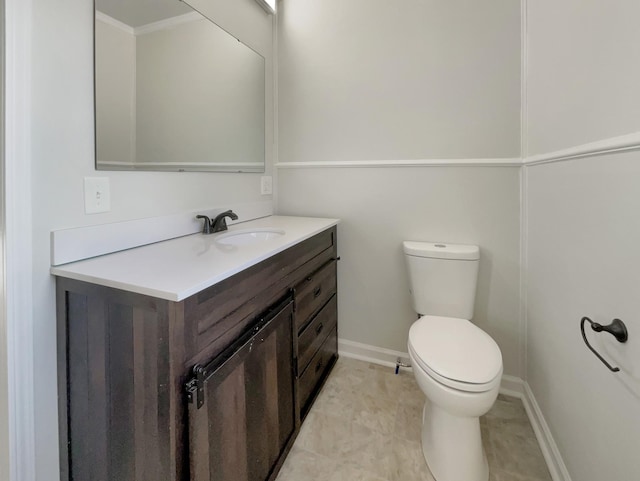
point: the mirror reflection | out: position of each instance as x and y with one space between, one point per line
174 92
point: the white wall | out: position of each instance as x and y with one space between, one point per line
4 381
200 96
368 80
582 232
381 207
115 93
62 154
583 73
583 260
411 79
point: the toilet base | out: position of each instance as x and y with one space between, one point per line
452 446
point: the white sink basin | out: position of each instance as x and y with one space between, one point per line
248 236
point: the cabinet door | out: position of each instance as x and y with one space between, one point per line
118 404
246 414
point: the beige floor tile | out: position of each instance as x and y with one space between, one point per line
376 412
346 472
514 448
372 455
337 398
349 372
366 426
407 462
302 465
499 475
332 436
508 410
408 425
519 455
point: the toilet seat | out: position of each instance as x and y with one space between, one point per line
456 353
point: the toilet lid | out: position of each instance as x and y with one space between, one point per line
455 350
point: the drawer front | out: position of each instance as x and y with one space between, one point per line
319 366
316 332
313 292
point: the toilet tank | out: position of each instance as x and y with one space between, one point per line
442 277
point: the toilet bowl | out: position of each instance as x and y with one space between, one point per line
458 367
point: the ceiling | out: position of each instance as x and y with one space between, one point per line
136 13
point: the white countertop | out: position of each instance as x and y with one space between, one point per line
178 268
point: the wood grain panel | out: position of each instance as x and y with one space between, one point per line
286 383
257 412
118 406
313 292
246 390
78 388
227 428
319 367
217 316
272 413
121 390
62 305
312 337
142 419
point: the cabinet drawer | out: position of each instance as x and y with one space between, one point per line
320 365
316 332
314 291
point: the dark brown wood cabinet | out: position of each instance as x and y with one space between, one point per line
316 324
125 360
241 405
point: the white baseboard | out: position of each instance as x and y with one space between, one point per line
548 445
368 353
510 386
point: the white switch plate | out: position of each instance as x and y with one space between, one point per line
97 197
266 185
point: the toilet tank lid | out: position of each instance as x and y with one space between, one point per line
441 250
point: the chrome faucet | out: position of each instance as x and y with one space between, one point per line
217 224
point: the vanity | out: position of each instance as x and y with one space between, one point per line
196 358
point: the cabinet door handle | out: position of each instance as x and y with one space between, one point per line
319 328
319 366
316 291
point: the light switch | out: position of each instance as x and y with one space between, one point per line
266 185
97 197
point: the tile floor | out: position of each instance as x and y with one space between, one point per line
365 426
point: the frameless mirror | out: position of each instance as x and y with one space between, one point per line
174 92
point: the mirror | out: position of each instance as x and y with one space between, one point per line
174 92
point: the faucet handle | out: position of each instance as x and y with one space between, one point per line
206 228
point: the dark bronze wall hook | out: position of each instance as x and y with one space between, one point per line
617 329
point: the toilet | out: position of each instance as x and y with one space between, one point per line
457 365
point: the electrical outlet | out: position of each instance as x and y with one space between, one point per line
266 185
97 197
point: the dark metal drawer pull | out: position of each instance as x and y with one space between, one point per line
319 328
319 366
316 291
